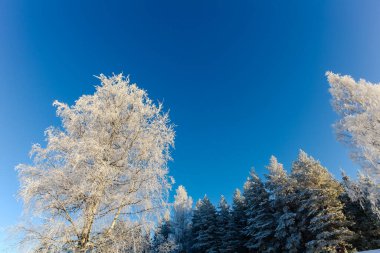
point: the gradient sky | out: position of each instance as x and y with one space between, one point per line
242 81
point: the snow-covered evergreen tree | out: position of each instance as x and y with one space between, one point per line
358 105
181 221
195 225
281 190
163 240
235 238
277 180
260 227
223 218
204 229
363 221
323 225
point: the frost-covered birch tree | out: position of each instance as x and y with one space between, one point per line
181 221
102 173
358 105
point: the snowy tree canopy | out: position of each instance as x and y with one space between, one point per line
362 220
320 213
106 168
223 218
277 179
204 230
260 221
281 188
182 215
235 238
358 105
163 240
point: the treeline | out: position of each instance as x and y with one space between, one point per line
306 210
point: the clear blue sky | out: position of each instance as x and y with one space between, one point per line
242 81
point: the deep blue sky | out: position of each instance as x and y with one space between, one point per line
242 79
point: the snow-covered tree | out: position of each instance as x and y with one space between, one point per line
287 233
130 237
358 105
282 198
322 223
204 229
235 238
260 227
196 225
163 240
181 221
106 166
362 220
277 179
223 218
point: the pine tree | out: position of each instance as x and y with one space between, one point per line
281 190
260 222
322 223
204 232
223 218
196 226
363 221
235 238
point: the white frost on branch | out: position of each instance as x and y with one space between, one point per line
181 221
106 169
358 105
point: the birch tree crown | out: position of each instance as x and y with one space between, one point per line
104 170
